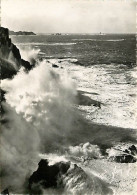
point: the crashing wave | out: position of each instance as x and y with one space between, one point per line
85 151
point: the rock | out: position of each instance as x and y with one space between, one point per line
127 155
7 69
10 58
123 159
5 192
133 150
97 104
48 176
55 66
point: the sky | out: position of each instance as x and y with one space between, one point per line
69 16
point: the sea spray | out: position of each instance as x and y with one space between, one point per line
19 150
29 54
38 110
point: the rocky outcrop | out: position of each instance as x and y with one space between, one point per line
55 66
124 159
47 176
125 156
64 178
5 192
10 58
21 33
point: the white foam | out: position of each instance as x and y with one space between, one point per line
41 43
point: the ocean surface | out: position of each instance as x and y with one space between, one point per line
103 69
102 66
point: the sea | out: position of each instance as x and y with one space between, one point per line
102 66
81 97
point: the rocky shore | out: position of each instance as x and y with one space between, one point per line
10 58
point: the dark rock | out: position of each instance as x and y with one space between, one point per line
2 98
55 66
124 159
97 104
48 176
2 95
5 192
7 69
126 156
10 58
133 150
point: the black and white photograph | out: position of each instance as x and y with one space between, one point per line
68 97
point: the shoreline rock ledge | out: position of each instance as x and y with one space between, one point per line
10 58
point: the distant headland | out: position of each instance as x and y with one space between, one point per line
21 33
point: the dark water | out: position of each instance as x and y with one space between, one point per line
88 49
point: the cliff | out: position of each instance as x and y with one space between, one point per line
21 33
10 58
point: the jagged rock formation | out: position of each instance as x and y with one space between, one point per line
10 58
55 66
5 192
125 156
21 33
47 176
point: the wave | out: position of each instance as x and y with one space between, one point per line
115 40
98 40
41 43
85 151
78 182
29 54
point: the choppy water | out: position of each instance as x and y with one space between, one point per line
102 68
111 79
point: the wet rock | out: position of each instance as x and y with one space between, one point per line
5 192
123 159
10 58
97 104
55 66
47 176
133 150
127 155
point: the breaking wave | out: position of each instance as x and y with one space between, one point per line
40 115
41 43
98 40
29 54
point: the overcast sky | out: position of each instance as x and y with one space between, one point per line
70 16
